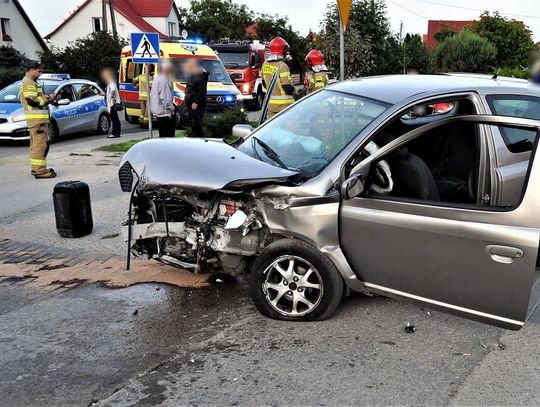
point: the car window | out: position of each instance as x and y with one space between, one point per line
311 133
66 92
214 67
10 94
85 90
442 167
516 140
132 70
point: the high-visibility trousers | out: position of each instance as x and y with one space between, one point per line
143 115
39 148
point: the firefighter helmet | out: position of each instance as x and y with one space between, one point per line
278 46
314 58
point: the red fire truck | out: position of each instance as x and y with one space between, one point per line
243 61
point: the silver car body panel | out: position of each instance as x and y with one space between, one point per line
181 163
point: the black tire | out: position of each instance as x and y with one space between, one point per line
54 133
130 119
325 300
102 126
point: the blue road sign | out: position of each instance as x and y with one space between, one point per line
145 48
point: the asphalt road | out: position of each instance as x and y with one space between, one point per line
154 344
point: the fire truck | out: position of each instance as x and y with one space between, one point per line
243 61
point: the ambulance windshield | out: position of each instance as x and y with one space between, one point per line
214 67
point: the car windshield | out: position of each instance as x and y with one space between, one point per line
234 59
214 67
313 132
10 94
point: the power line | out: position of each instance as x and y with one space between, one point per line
408 10
473 9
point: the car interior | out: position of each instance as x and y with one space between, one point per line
440 165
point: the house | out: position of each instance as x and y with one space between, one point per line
434 26
18 31
160 16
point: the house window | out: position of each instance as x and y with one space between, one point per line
6 29
172 30
97 24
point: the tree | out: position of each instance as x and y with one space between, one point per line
216 19
369 22
359 58
445 33
414 54
465 52
86 57
11 58
269 27
512 39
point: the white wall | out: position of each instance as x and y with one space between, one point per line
81 25
21 34
162 24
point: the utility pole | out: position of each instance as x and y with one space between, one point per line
341 53
113 20
104 15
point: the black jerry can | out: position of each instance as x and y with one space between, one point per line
72 209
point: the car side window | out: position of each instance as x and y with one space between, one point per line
528 107
85 90
66 92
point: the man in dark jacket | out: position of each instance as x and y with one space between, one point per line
195 98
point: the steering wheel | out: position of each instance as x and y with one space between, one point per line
381 177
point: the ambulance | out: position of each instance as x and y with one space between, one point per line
222 92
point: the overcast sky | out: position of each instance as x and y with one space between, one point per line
306 14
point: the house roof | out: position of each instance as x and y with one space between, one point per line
30 24
133 11
154 8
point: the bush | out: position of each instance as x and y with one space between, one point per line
465 52
8 76
512 72
220 126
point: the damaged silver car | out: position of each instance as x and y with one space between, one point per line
416 187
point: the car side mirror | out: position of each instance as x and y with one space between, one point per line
352 187
63 102
241 131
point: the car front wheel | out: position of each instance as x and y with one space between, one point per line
53 132
292 280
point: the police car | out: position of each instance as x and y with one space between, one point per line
79 109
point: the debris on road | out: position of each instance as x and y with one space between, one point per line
409 328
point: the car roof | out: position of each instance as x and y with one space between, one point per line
396 88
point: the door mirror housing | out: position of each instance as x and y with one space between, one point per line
241 131
63 102
352 187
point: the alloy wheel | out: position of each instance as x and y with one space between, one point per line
292 286
104 123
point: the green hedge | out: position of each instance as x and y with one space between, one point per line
8 76
220 125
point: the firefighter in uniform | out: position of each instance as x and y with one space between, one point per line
282 95
318 78
140 82
35 104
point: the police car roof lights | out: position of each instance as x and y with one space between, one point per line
58 76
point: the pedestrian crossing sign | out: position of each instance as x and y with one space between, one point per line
145 48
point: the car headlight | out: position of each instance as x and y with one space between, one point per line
18 118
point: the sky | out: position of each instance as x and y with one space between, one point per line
307 14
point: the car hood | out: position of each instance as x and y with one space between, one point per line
8 109
198 164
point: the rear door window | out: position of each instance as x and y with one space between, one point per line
528 107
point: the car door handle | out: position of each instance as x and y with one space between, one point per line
503 254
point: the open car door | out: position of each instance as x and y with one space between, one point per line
474 260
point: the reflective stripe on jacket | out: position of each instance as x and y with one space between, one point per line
140 82
279 97
317 81
32 91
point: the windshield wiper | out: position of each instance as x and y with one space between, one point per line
269 151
